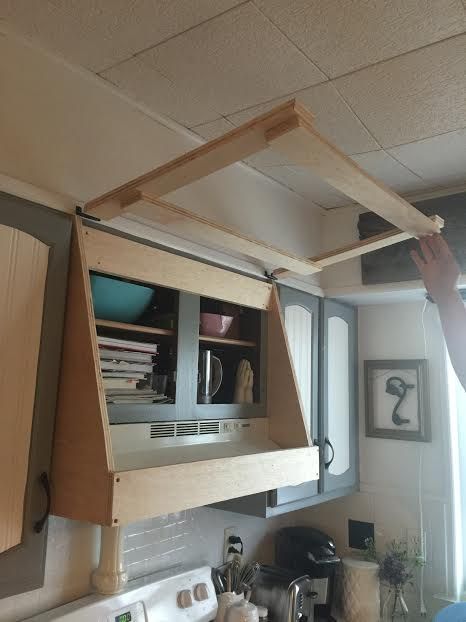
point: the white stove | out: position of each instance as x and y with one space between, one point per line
168 596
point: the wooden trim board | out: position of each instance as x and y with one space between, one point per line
200 162
305 147
136 328
188 224
82 456
24 260
177 487
284 407
356 249
119 256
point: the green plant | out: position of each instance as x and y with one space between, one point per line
397 564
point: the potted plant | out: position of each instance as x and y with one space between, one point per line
396 570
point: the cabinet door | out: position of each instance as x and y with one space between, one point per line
301 315
34 246
339 425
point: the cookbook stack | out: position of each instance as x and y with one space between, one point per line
127 371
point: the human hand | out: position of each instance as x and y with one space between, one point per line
439 269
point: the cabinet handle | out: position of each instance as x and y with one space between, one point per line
327 464
44 481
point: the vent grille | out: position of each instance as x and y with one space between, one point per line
162 430
184 428
209 427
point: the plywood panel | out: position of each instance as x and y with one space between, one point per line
188 224
24 261
285 411
82 456
116 255
299 141
150 492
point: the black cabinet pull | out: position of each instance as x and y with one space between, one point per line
327 464
44 481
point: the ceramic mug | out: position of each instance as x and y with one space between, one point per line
242 611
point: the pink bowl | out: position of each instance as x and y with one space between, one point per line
215 325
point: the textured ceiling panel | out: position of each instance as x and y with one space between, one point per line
236 60
146 85
344 35
382 166
333 117
98 34
214 129
440 160
411 97
308 185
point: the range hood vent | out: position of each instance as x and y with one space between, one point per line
183 428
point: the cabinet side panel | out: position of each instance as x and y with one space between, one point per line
82 455
24 262
287 427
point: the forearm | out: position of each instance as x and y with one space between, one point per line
453 317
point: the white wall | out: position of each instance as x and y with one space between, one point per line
389 470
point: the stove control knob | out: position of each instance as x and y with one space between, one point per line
185 600
201 592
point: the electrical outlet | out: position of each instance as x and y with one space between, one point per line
229 531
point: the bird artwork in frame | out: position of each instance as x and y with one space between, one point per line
397 400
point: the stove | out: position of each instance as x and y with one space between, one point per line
170 596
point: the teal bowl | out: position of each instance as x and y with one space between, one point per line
117 300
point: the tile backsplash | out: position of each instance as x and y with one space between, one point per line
189 537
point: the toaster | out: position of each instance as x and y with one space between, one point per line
287 596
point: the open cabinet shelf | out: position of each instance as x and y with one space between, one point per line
224 341
116 474
135 328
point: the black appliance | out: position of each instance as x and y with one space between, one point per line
305 550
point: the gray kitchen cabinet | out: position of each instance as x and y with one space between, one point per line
34 248
322 336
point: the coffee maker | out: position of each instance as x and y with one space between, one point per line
305 550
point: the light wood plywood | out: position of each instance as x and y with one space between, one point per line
198 163
24 261
82 454
285 411
356 249
307 148
177 487
115 255
188 224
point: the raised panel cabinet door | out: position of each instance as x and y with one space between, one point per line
339 418
34 246
301 315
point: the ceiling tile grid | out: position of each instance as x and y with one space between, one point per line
149 87
340 36
236 60
411 97
100 34
383 166
440 160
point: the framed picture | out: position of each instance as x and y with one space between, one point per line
397 400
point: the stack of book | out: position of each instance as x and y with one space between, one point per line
127 371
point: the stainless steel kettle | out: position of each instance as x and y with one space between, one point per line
210 376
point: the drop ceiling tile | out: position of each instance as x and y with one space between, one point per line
344 35
411 97
382 166
148 86
440 160
214 129
333 117
307 185
235 60
100 34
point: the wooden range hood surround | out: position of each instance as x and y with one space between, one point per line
288 129
87 482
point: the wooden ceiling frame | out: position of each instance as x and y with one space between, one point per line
289 130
